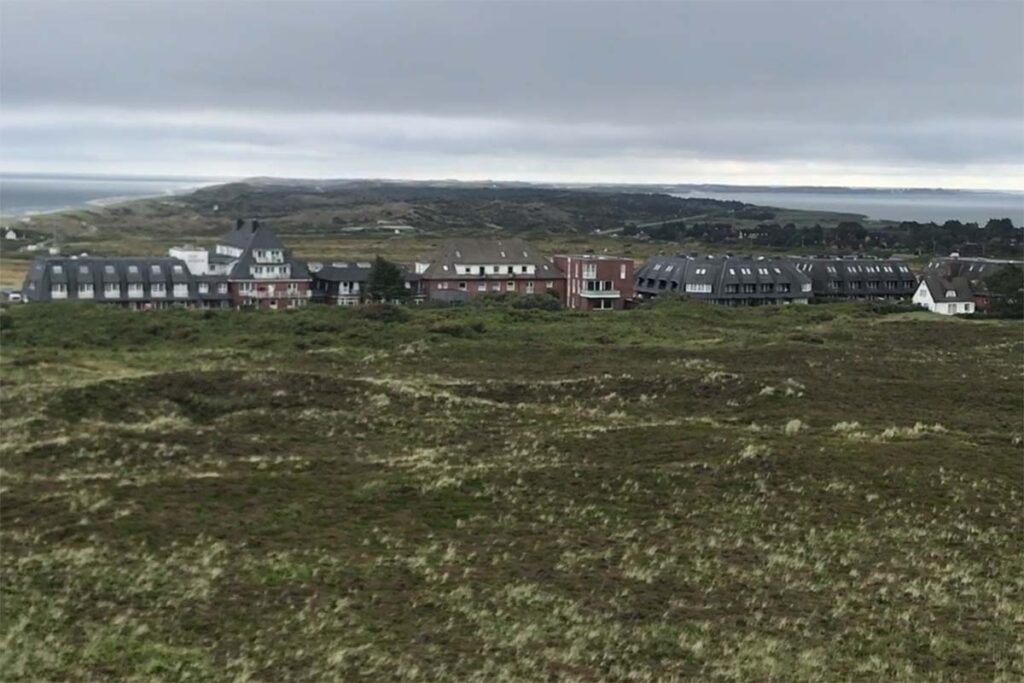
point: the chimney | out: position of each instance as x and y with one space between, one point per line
239 223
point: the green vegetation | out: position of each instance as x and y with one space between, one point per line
499 493
1006 289
386 282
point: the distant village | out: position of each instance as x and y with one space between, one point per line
250 267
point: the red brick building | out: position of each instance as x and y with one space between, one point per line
467 268
596 282
261 271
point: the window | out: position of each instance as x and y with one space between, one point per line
603 304
109 270
58 269
85 290
702 271
494 269
767 287
523 269
657 266
293 287
178 270
622 271
762 271
462 286
111 289
502 254
204 288
529 287
481 286
495 286
83 270
732 289
749 289
155 269
589 271
783 287
135 290
222 288
701 288
158 289
134 270
510 286
732 271
181 290
745 271
549 285
59 290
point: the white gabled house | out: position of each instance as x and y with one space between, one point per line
946 297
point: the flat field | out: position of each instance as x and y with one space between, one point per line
677 492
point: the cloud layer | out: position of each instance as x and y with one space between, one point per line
860 93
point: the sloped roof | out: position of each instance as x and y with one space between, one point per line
939 288
510 251
252 235
679 271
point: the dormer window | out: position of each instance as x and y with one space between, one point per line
458 254
83 270
503 255
109 270
134 270
155 269
178 270
58 270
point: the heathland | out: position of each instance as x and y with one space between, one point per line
494 493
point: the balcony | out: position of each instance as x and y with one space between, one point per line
600 294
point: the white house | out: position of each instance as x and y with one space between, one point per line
947 297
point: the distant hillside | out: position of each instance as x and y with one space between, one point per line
442 207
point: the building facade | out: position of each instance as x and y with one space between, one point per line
946 297
139 283
858 278
597 282
260 271
727 280
464 269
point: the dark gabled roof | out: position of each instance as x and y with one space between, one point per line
854 269
507 251
46 271
252 235
939 288
720 272
344 272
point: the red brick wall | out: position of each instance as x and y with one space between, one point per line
281 294
540 286
619 270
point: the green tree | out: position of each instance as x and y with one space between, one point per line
386 282
1006 291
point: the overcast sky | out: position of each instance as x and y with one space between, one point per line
857 93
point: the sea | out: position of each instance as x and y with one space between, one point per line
918 205
28 194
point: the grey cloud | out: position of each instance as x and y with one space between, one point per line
905 84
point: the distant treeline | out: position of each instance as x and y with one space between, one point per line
998 237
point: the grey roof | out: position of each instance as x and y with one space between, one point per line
249 237
973 269
252 235
727 277
844 276
949 291
507 251
344 272
74 273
